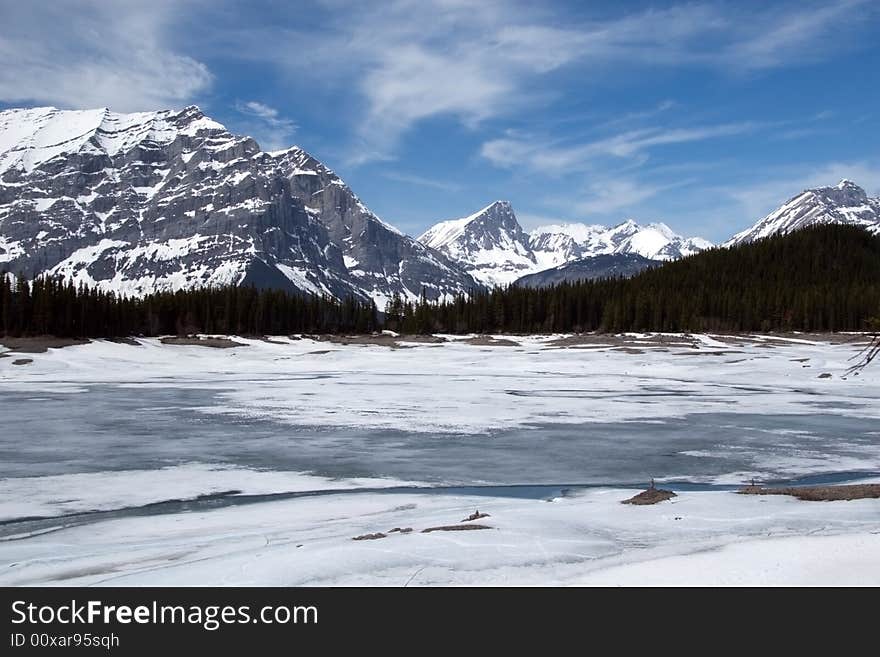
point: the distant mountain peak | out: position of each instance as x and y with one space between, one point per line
843 203
490 244
492 247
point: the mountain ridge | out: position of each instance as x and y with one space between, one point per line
492 246
166 200
845 203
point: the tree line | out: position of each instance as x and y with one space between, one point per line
825 278
50 306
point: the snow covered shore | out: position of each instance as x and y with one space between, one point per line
698 538
112 524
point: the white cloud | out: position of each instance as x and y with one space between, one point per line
388 66
530 221
269 114
613 195
795 34
271 130
421 181
607 196
94 54
551 157
758 199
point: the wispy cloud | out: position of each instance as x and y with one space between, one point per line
93 54
606 196
552 157
411 179
407 61
791 34
396 63
529 221
756 199
272 130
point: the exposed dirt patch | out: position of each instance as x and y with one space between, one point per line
370 537
39 344
650 496
688 340
819 493
381 339
612 340
129 341
400 530
824 375
375 340
454 528
489 341
584 340
22 361
476 515
422 339
216 343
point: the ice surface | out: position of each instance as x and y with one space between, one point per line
585 538
114 428
84 492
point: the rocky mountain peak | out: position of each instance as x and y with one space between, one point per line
491 245
169 199
843 203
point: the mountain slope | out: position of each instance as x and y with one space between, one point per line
556 244
609 265
494 249
845 203
167 200
822 278
489 244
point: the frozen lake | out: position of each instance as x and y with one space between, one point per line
103 427
106 433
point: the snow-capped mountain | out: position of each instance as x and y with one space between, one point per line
844 203
166 200
560 243
490 244
494 249
557 244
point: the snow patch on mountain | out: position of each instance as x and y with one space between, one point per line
844 203
152 201
558 244
489 244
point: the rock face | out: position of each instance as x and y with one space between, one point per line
609 265
137 203
489 244
494 249
844 203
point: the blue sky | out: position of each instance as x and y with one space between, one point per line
704 115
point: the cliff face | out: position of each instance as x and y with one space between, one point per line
167 200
